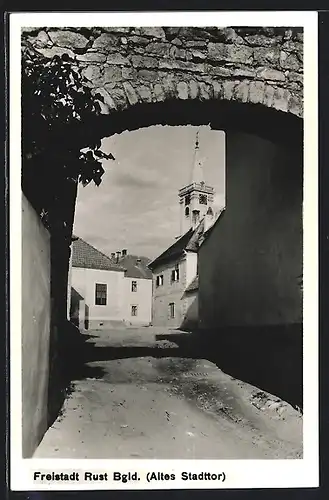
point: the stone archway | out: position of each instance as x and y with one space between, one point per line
231 78
129 66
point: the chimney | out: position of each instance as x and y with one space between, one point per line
118 256
124 252
113 255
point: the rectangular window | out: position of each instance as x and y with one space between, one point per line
172 309
134 310
134 286
203 199
159 280
175 275
100 294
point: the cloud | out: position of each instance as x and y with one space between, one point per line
135 179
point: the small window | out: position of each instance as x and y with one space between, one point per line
159 280
187 199
134 286
196 216
100 294
175 275
172 309
187 212
203 199
134 310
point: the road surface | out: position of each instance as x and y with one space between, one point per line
141 398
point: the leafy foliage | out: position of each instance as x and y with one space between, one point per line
60 144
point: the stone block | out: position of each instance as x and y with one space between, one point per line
117 58
182 90
91 72
158 92
128 73
69 39
217 51
41 41
290 61
268 95
295 77
229 35
119 97
218 90
131 93
112 74
293 46
295 105
181 65
145 93
264 56
160 49
243 72
270 74
148 75
241 91
91 57
198 54
106 42
138 40
228 89
153 32
259 40
280 99
230 52
196 43
220 71
177 52
256 91
144 62
194 89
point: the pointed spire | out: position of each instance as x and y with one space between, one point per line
197 171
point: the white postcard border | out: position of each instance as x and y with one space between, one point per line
238 473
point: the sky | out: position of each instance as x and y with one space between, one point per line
136 206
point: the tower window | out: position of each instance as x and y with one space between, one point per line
100 294
134 310
187 212
187 199
172 309
134 286
196 216
203 199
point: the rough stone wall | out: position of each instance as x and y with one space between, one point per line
131 65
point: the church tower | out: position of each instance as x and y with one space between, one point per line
196 199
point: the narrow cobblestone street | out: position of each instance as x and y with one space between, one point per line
142 397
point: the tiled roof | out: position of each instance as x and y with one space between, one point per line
136 269
188 242
86 256
194 285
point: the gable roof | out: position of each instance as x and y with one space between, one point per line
194 285
136 269
188 242
86 256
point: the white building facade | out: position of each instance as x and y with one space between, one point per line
105 292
